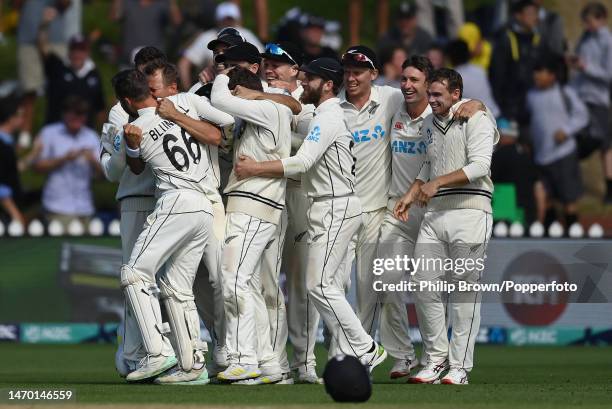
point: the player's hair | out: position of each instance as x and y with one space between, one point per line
594 9
75 104
421 63
458 52
453 79
9 105
131 84
147 54
245 78
169 72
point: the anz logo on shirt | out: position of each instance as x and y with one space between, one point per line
409 147
315 134
364 135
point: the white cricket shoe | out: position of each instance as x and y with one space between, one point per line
177 376
456 376
309 376
150 366
430 373
237 372
402 367
220 356
372 359
262 380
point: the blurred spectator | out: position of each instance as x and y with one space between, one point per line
550 27
79 76
480 49
69 153
556 115
143 22
435 54
198 54
11 120
391 59
313 29
593 76
29 64
441 19
511 72
475 81
261 17
406 32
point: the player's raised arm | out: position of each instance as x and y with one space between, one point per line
262 113
203 131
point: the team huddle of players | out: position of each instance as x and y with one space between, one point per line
323 171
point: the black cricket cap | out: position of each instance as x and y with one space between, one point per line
228 36
347 380
240 52
406 9
284 51
326 68
360 56
313 21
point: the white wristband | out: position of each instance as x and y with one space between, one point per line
132 153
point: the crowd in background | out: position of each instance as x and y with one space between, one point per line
552 103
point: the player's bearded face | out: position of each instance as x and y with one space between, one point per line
313 88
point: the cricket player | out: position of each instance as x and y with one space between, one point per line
162 78
281 69
456 185
408 150
136 201
334 215
254 211
368 110
175 234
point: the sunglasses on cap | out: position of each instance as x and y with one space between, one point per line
230 31
356 56
276 49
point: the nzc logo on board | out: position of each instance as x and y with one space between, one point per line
9 332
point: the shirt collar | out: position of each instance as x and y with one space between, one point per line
6 138
327 104
146 111
426 112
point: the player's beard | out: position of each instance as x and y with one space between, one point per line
312 95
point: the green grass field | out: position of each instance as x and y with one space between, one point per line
505 377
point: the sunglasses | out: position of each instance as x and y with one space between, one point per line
358 57
275 49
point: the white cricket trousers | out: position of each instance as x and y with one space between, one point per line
303 317
396 238
272 331
134 213
331 225
457 235
246 238
208 286
362 250
175 235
